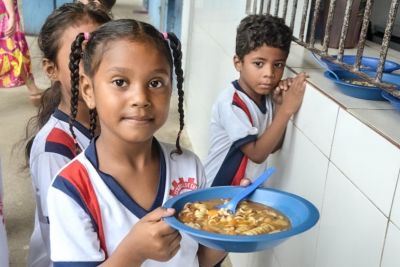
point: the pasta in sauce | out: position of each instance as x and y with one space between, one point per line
250 218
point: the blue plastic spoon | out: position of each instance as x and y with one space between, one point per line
231 205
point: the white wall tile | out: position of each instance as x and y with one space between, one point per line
352 229
301 169
275 262
317 119
299 250
367 159
395 214
381 119
299 165
391 256
255 259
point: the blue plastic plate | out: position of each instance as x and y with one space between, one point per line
392 99
302 214
367 63
359 91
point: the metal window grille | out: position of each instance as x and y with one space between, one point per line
265 6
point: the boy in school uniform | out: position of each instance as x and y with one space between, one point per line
249 118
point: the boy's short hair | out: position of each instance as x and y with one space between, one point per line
257 30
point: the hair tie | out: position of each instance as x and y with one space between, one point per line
86 35
165 35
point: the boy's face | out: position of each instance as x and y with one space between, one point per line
261 69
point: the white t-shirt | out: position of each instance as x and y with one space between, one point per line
3 236
52 148
90 213
235 121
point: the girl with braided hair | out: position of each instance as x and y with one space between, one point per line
55 141
105 205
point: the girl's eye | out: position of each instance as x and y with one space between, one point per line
155 84
119 82
258 64
279 65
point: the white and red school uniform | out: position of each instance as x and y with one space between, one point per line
52 148
3 236
236 120
91 213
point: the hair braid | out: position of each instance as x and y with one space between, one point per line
74 59
175 45
93 122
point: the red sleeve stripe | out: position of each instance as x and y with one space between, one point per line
237 101
60 137
78 176
239 175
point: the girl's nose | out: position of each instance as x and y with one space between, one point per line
139 98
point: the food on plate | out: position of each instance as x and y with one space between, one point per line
250 218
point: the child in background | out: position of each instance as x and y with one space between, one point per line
58 141
3 236
105 205
250 117
15 61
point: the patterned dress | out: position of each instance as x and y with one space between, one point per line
15 62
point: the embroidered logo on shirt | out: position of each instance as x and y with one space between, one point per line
182 185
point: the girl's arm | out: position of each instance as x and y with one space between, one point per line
257 151
10 29
209 257
150 238
123 256
73 237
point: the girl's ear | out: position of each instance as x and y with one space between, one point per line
237 62
86 90
50 69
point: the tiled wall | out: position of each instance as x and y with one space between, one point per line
344 167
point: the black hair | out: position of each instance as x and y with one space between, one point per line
132 30
255 31
107 4
49 40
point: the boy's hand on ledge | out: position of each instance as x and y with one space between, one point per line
283 86
293 97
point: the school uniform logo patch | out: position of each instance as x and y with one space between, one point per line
181 185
